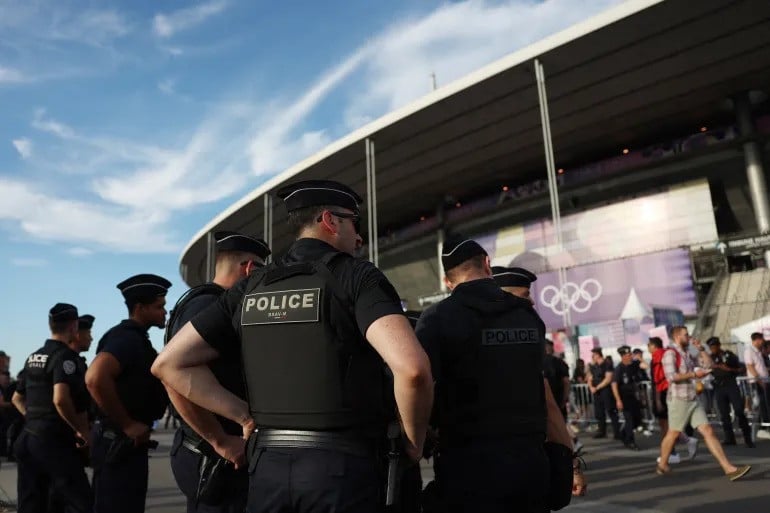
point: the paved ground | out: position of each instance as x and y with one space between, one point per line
621 481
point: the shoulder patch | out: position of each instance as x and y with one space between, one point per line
69 367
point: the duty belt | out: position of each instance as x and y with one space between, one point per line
197 445
328 440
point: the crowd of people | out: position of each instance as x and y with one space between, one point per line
697 386
300 385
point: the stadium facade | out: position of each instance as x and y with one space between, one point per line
623 160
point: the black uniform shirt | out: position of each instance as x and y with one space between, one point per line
370 291
555 370
598 371
722 377
626 376
141 393
226 368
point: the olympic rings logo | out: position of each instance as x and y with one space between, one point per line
571 296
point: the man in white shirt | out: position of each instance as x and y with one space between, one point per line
756 370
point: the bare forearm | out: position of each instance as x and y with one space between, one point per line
615 391
66 410
105 395
20 403
414 399
705 360
201 421
199 386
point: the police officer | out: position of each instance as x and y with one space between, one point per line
46 450
625 386
204 440
599 383
79 344
518 281
486 350
128 397
725 368
313 328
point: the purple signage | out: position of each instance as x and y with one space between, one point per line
617 289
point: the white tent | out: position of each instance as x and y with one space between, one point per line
743 333
635 308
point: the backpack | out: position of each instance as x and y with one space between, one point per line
658 375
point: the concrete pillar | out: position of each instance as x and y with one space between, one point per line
753 157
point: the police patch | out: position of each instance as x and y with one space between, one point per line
503 336
69 367
282 306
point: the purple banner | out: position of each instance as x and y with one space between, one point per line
617 290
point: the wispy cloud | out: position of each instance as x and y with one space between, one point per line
166 25
278 144
11 76
80 252
134 189
46 216
451 42
91 27
23 146
29 262
166 86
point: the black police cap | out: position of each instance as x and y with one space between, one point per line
312 193
63 312
458 249
234 241
86 322
144 287
624 350
597 350
713 341
513 277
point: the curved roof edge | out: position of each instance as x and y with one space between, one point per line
518 57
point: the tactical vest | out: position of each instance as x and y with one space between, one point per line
39 384
227 370
497 388
306 365
173 316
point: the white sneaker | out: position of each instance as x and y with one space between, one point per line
692 448
673 459
763 434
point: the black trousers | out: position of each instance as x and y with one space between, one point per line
489 479
47 465
119 487
293 480
185 465
725 396
632 414
604 404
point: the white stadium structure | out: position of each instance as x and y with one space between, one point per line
621 160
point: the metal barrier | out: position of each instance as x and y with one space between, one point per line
581 411
756 398
581 406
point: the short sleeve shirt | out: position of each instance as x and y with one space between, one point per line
626 377
370 292
753 356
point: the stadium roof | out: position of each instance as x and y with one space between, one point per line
630 75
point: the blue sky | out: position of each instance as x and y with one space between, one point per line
126 126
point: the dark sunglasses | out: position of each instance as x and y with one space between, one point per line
354 217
